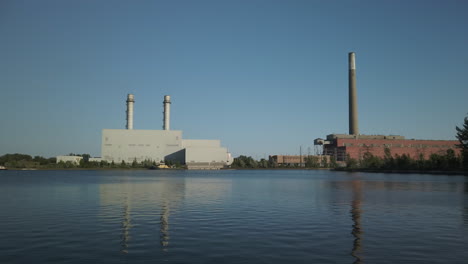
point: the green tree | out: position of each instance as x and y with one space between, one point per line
333 163
462 136
403 162
388 161
452 160
370 161
350 162
325 162
263 163
86 157
41 160
312 162
244 162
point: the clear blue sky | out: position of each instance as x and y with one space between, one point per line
264 77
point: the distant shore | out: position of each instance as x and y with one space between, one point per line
465 173
77 168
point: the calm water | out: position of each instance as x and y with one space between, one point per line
232 217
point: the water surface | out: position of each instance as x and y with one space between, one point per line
259 216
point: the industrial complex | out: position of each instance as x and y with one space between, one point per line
130 145
354 145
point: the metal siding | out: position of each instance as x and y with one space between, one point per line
188 143
127 145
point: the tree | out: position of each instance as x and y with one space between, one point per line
324 162
370 161
333 163
263 163
86 157
312 162
388 160
452 161
462 136
403 162
351 163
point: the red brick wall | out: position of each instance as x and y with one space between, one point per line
357 147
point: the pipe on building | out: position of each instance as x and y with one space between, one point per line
167 112
353 115
130 101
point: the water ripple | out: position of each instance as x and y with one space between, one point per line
232 217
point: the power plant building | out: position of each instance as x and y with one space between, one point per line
340 146
130 145
354 145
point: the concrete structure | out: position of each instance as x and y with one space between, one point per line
128 145
94 159
130 102
167 112
355 145
73 159
160 145
353 115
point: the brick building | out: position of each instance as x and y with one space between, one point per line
340 145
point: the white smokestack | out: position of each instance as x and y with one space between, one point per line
130 101
167 112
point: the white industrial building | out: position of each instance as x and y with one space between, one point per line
159 145
73 159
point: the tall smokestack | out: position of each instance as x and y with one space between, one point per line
167 112
353 115
130 101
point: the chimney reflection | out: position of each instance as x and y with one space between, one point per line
356 212
126 225
164 227
129 200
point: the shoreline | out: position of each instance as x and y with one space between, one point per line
462 173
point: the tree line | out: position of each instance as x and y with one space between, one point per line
19 161
247 162
435 162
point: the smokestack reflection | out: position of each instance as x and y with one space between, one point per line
133 200
164 227
356 212
126 225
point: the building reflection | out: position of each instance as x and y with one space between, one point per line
356 212
130 199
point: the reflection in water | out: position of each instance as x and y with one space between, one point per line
126 225
164 229
465 204
356 216
128 198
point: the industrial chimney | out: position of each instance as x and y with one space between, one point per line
353 115
130 101
167 112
